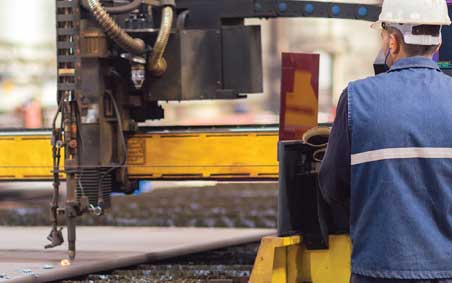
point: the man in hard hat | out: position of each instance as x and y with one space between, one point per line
389 158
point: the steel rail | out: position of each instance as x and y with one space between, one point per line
158 129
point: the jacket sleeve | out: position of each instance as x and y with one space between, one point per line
335 170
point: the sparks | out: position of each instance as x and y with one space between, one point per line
65 262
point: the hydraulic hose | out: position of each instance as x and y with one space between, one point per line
157 64
135 4
111 28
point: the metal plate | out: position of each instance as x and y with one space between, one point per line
242 59
200 63
23 258
299 94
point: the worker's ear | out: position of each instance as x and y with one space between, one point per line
394 44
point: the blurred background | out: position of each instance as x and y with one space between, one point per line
28 67
28 100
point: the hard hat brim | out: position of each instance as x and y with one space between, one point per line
443 23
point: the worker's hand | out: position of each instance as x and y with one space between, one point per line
318 138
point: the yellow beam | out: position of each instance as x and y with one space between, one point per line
25 157
221 155
244 155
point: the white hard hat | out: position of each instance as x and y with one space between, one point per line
404 15
415 12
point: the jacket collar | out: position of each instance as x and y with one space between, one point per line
414 62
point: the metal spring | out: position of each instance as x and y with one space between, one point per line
111 28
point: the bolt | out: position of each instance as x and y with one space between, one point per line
309 8
282 7
362 11
335 10
258 6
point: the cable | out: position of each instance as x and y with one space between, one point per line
123 139
60 106
123 144
133 5
78 116
55 236
386 59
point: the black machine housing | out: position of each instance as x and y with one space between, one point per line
302 210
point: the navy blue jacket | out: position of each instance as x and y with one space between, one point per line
389 161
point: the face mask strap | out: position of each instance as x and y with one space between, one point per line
386 59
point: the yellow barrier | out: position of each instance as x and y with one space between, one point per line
285 260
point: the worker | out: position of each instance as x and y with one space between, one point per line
389 157
32 113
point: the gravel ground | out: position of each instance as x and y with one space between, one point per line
231 265
223 205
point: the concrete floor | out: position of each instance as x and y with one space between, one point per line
23 258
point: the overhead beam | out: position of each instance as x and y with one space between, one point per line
220 154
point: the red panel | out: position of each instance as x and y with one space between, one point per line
299 95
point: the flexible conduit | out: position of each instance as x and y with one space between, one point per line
111 28
157 63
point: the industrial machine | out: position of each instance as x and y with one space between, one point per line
118 60
112 73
